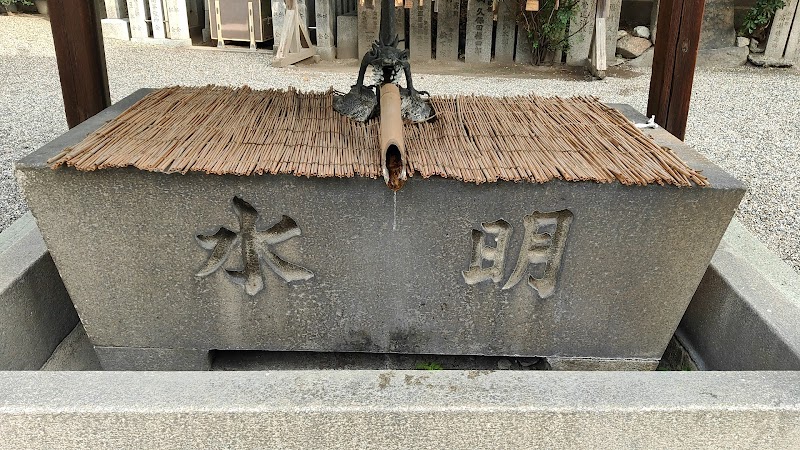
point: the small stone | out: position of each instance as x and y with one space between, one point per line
742 41
631 46
755 46
642 32
643 60
621 34
504 364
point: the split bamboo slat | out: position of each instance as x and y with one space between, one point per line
241 131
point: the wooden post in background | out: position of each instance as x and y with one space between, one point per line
674 61
81 59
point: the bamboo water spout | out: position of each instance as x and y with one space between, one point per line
393 149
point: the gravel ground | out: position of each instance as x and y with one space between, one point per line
745 120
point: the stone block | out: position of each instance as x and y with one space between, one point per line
325 12
157 19
717 30
523 53
116 29
387 409
137 15
632 46
116 9
643 60
347 37
437 269
584 20
506 33
580 41
36 310
745 312
178 18
447 30
479 32
419 26
369 13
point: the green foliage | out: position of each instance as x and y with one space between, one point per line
547 28
759 17
428 366
21 2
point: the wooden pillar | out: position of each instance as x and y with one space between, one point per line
674 61
81 59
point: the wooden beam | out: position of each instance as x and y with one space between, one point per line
674 62
81 59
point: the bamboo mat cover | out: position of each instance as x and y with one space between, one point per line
221 130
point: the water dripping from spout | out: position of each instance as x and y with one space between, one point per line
394 220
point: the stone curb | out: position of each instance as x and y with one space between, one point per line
36 310
745 314
400 409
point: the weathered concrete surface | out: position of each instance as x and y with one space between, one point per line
36 310
116 29
369 13
723 57
347 37
447 30
325 12
506 32
717 30
419 31
125 241
746 312
400 409
75 352
479 32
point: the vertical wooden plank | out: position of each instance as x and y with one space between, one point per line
598 58
279 15
80 57
157 19
792 52
478 47
447 30
669 21
506 31
420 30
369 14
250 27
580 41
218 19
781 28
685 61
523 54
674 62
136 18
